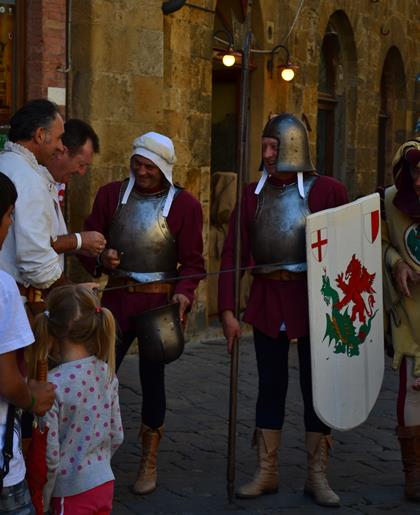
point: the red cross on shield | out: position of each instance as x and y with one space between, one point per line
319 243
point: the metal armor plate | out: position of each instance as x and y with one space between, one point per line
141 234
278 230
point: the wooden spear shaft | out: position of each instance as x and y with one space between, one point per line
234 363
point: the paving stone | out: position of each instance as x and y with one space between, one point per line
365 466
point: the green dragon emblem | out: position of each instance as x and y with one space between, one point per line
413 242
341 327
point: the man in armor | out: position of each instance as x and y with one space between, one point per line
153 230
401 253
273 242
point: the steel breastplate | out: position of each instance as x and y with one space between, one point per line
140 232
277 232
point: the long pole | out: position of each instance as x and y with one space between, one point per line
243 146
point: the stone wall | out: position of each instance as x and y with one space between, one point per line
136 70
45 47
373 28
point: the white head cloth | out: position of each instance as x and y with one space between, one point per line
160 150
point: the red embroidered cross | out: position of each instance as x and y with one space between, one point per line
318 244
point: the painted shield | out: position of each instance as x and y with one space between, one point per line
345 311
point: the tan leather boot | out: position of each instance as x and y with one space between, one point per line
266 479
409 438
147 474
316 485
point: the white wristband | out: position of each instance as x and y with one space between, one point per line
78 240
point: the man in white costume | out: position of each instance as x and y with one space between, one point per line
28 255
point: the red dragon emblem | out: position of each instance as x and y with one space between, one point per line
359 281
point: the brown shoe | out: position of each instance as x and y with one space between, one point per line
147 474
266 479
316 485
409 438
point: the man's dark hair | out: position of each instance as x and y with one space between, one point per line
76 133
8 194
30 117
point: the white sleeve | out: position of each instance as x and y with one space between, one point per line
36 260
15 331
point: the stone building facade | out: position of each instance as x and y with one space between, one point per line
135 69
32 53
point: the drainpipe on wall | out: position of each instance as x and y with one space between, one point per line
68 56
66 68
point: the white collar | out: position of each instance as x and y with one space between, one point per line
10 146
168 201
30 158
265 175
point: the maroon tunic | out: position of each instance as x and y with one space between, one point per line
185 221
272 302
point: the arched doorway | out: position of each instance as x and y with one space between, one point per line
337 99
226 90
392 114
226 83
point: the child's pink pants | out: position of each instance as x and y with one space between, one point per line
96 501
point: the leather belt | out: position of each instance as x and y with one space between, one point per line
284 275
31 293
134 287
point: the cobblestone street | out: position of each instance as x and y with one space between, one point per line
365 468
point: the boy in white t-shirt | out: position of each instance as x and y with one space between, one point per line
15 334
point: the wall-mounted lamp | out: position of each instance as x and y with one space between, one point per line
287 68
228 58
287 73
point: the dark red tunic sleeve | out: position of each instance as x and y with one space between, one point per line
104 206
273 302
185 221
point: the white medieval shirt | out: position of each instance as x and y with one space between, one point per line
27 254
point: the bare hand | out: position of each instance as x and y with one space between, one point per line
183 302
93 242
110 259
416 385
44 394
404 273
231 329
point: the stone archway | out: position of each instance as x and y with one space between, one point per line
393 112
226 90
337 96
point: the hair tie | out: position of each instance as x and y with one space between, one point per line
98 309
46 313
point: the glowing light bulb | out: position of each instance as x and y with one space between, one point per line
287 74
228 60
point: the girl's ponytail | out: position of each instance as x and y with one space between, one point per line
44 342
105 338
74 314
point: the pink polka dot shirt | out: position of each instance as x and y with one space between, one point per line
85 428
